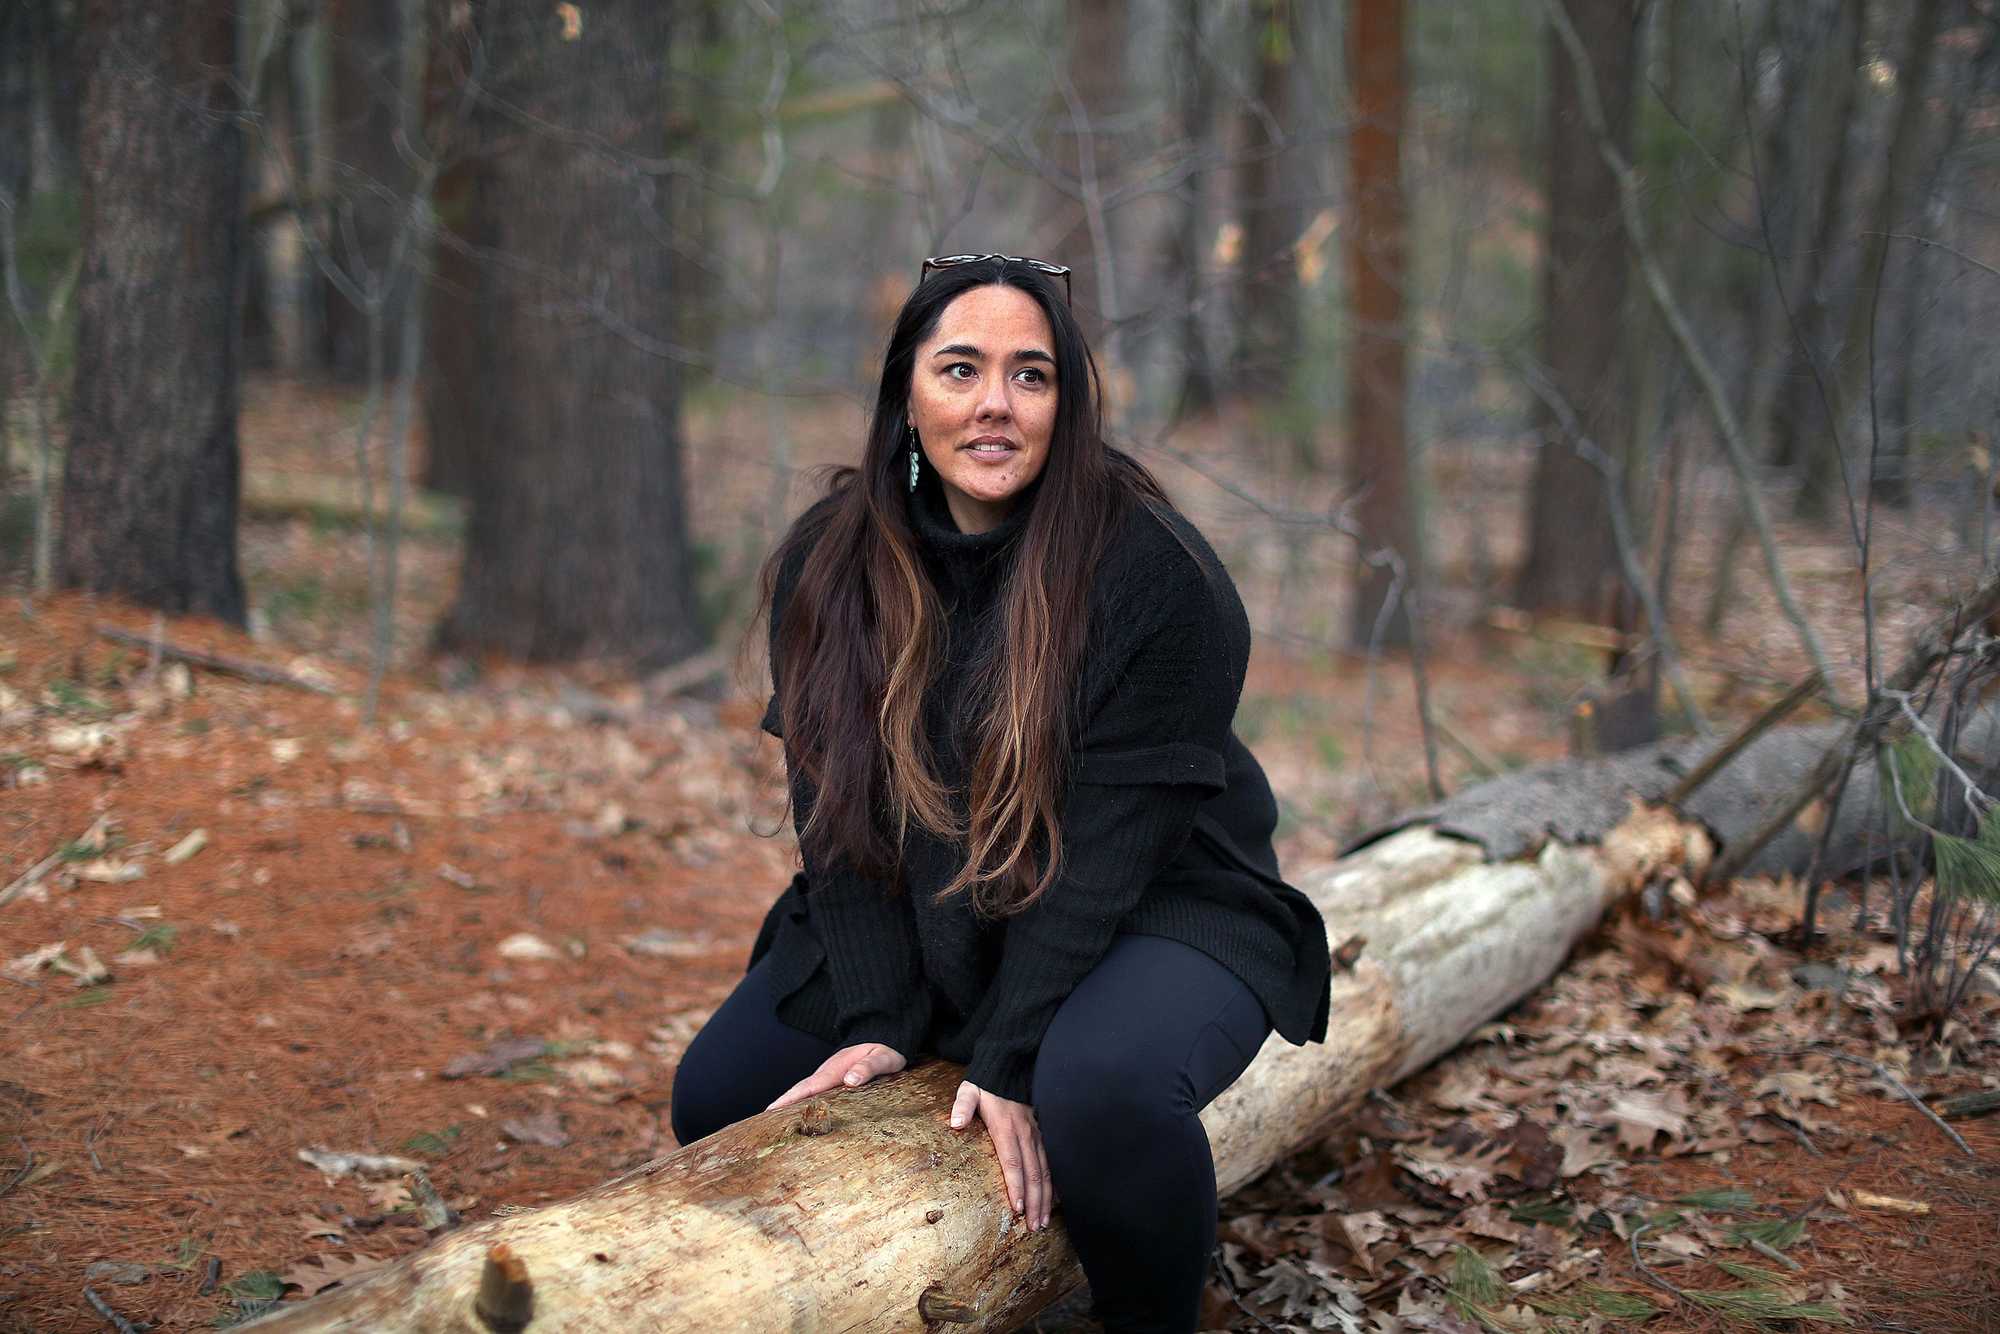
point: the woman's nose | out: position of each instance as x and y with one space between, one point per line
994 401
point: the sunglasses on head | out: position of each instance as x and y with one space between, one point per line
1039 265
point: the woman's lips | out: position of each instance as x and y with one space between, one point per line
991 447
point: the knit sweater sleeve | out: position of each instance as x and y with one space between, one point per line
870 939
1147 758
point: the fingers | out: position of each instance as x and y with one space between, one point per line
964 1105
1017 1142
1042 1190
817 1082
850 1066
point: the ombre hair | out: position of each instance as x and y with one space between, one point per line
862 636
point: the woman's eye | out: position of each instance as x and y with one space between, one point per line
957 366
1039 377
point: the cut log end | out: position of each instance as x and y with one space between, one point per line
506 1300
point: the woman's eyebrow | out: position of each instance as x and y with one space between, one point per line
968 350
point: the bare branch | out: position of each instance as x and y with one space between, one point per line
1713 391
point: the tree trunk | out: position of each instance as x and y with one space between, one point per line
455 332
17 174
1186 271
1086 148
1572 558
1267 322
1804 163
150 483
1377 262
1902 168
369 180
1905 408
577 542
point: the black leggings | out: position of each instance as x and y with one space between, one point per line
1143 1043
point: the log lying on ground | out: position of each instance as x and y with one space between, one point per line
861 1210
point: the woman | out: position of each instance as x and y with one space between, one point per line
1005 670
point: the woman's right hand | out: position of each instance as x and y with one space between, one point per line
850 1067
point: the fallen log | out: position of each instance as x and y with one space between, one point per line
862 1210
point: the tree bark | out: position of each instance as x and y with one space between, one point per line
1377 254
1186 270
577 541
455 332
1267 323
1572 557
1087 147
150 482
1902 168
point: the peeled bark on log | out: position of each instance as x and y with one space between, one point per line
862 1210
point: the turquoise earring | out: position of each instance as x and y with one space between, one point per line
913 456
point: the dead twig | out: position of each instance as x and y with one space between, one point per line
214 662
1934 643
1884 1074
1719 758
103 1308
1645 1270
1970 1104
29 877
1715 395
27 1166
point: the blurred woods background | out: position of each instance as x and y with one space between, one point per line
1496 312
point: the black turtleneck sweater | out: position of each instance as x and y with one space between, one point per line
1166 826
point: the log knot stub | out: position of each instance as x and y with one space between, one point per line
937 1304
506 1300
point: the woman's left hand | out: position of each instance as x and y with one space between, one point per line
1018 1141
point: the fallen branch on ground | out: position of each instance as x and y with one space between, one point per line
214 662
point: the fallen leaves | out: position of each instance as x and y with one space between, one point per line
497 1058
325 1271
544 1128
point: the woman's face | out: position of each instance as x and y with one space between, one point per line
983 400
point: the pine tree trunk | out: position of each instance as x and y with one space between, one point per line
149 486
1572 559
577 541
1377 263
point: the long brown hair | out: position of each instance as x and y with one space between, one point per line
862 633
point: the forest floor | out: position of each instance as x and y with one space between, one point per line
477 934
